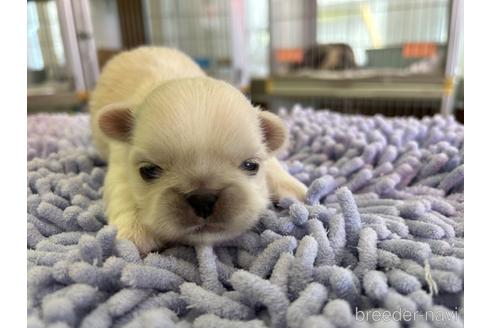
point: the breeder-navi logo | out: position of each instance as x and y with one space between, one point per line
405 315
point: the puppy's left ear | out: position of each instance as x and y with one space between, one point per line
116 121
275 133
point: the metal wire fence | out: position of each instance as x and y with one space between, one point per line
358 56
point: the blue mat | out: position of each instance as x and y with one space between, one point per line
380 235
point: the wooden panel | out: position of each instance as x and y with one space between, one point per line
104 55
131 23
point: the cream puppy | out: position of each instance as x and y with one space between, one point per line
189 158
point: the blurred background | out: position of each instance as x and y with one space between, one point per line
392 57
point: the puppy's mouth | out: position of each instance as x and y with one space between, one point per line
207 228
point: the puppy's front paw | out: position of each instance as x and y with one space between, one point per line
289 187
141 237
281 184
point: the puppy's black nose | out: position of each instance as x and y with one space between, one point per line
202 204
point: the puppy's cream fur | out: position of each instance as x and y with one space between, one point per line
155 105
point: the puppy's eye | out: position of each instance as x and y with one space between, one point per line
149 172
250 166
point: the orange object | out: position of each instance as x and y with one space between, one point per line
294 55
448 86
82 96
419 50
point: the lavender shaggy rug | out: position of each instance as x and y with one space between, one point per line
380 233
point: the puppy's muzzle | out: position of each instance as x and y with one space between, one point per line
203 204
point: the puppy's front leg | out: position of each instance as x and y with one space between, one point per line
129 228
123 212
281 184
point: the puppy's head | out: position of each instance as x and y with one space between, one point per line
196 149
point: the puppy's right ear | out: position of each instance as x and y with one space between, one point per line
116 121
275 133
